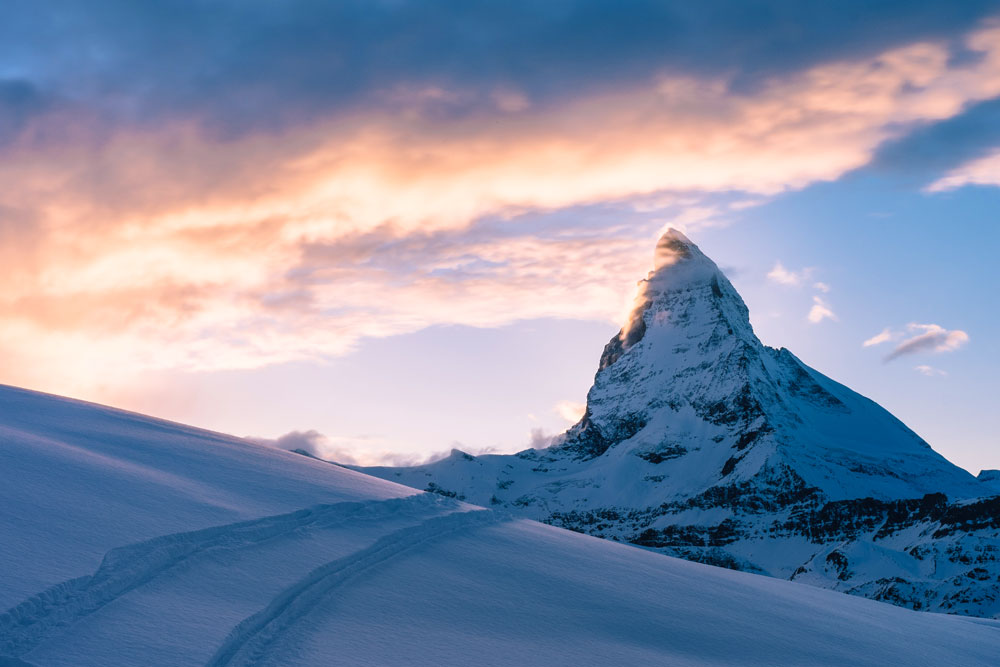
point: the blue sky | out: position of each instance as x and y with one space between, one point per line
412 226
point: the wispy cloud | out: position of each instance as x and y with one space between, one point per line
884 336
181 243
929 371
358 450
571 411
779 274
820 311
981 171
929 338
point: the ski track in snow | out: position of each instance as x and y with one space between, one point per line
252 639
126 568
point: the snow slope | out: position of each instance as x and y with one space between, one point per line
702 442
80 479
126 540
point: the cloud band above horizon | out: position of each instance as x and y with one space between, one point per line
243 185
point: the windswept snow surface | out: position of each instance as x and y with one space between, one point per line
126 540
80 479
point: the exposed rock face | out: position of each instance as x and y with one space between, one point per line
701 442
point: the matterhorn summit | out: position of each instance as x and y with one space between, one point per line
700 441
687 378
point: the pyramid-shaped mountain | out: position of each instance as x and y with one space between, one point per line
700 441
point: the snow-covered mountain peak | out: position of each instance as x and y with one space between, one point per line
700 440
678 264
675 248
688 377
683 296
672 247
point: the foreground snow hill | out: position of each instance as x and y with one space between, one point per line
126 540
702 442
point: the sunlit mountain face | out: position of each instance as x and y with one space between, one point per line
375 232
700 442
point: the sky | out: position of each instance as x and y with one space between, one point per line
383 229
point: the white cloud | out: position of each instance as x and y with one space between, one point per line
694 217
743 204
571 411
820 311
929 371
885 336
981 171
359 450
929 338
783 276
540 439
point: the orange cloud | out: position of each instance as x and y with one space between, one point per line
171 248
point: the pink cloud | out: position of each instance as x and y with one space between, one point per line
820 311
882 337
981 171
169 248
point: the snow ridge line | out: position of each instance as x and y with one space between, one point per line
126 568
251 639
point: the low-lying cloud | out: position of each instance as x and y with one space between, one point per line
369 451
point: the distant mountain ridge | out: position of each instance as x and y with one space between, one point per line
701 442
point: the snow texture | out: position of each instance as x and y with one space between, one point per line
125 540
